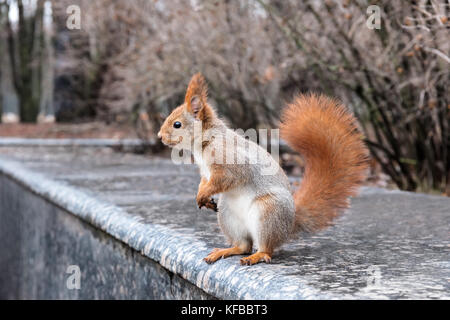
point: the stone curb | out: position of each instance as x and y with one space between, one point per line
25 142
174 251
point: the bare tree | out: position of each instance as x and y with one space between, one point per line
25 42
138 55
395 77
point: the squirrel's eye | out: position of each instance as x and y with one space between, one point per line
177 124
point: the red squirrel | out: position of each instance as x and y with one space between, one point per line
257 210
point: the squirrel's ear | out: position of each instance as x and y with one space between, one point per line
195 106
196 95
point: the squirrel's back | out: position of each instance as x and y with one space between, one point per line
326 135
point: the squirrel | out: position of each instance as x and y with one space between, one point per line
260 211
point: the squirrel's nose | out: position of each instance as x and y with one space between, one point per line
159 134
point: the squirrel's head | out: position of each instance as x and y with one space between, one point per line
178 128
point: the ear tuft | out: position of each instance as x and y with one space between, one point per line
196 94
196 105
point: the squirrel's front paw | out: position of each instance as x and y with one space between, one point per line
207 202
202 201
211 204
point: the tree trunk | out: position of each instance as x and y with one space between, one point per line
25 54
9 103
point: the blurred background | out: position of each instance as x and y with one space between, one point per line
115 69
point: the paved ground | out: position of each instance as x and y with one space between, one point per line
95 129
389 245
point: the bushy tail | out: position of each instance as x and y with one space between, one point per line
326 135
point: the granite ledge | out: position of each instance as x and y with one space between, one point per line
174 251
390 245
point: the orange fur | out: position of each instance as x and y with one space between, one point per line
326 135
218 253
197 89
256 258
220 181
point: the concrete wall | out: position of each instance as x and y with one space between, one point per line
40 241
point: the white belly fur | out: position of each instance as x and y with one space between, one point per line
242 215
203 166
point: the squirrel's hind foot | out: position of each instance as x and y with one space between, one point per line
256 258
218 253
